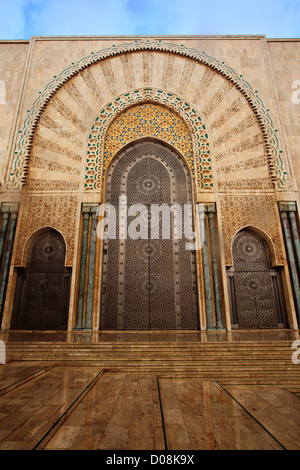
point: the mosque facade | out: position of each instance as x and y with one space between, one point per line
150 183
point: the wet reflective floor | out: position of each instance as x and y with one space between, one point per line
237 390
46 406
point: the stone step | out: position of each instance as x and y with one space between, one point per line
155 349
263 366
120 344
151 352
156 346
174 359
283 377
147 350
157 355
242 362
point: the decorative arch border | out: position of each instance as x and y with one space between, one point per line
265 236
200 163
23 148
31 239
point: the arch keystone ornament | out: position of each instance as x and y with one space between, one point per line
278 172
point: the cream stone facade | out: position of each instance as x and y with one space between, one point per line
74 108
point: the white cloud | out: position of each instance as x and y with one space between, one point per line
273 18
77 17
25 18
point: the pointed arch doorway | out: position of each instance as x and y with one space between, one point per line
43 287
255 287
148 282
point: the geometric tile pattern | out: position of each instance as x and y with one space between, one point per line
148 120
160 115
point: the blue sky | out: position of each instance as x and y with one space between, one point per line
20 19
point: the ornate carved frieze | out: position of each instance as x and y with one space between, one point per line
260 211
56 211
278 172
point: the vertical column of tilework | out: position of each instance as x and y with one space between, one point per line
91 268
211 209
206 268
82 273
7 234
291 239
3 233
295 234
87 267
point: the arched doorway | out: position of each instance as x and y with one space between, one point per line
149 282
255 288
42 289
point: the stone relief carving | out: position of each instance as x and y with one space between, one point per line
56 211
260 211
278 172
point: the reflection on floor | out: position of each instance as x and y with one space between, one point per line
45 406
150 390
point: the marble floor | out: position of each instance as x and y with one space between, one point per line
47 406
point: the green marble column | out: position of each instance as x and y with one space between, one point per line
7 258
82 273
91 269
283 207
295 235
211 208
206 270
3 233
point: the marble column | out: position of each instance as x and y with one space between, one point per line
295 234
3 233
206 268
82 273
87 267
211 209
284 209
91 269
7 233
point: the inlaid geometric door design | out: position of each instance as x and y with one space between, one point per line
42 291
255 288
149 282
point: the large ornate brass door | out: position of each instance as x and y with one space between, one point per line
148 283
255 288
42 290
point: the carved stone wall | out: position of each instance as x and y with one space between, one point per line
217 108
192 101
238 123
56 211
13 64
260 211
